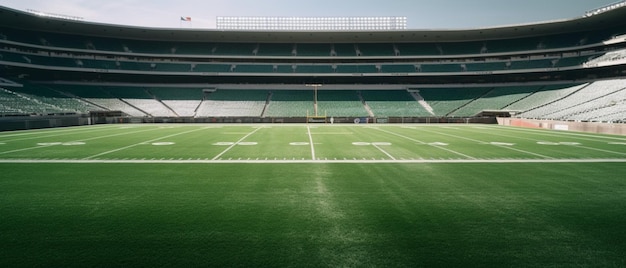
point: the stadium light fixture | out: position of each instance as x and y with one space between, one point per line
311 23
53 15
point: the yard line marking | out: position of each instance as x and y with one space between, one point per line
585 147
601 150
421 142
309 161
26 149
523 151
333 133
500 146
52 130
44 146
308 128
136 144
77 131
549 132
234 144
381 149
119 134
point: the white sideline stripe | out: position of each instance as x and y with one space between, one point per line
500 146
308 128
234 144
144 142
421 142
389 155
321 161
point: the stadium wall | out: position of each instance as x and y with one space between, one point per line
591 127
36 122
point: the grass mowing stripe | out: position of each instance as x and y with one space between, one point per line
308 128
234 144
133 145
329 215
421 142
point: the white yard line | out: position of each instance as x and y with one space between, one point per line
585 147
25 149
133 145
600 150
95 138
421 142
311 142
305 161
50 130
385 152
555 133
484 142
235 144
49 134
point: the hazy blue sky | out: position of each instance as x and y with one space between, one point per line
421 14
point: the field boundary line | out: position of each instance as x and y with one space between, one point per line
321 161
133 145
308 128
234 144
421 142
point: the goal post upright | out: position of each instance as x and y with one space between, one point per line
315 86
316 118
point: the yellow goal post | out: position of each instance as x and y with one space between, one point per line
316 118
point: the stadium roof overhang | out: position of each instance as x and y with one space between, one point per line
27 21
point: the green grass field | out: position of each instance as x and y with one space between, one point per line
311 196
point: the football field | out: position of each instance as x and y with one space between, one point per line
311 195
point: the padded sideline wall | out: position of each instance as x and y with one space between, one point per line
592 127
36 122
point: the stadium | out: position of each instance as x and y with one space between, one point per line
138 146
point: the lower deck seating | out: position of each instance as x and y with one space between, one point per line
595 101
392 103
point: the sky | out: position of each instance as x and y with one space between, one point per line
421 14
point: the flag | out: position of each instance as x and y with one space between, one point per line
185 18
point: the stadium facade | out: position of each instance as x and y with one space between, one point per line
560 70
